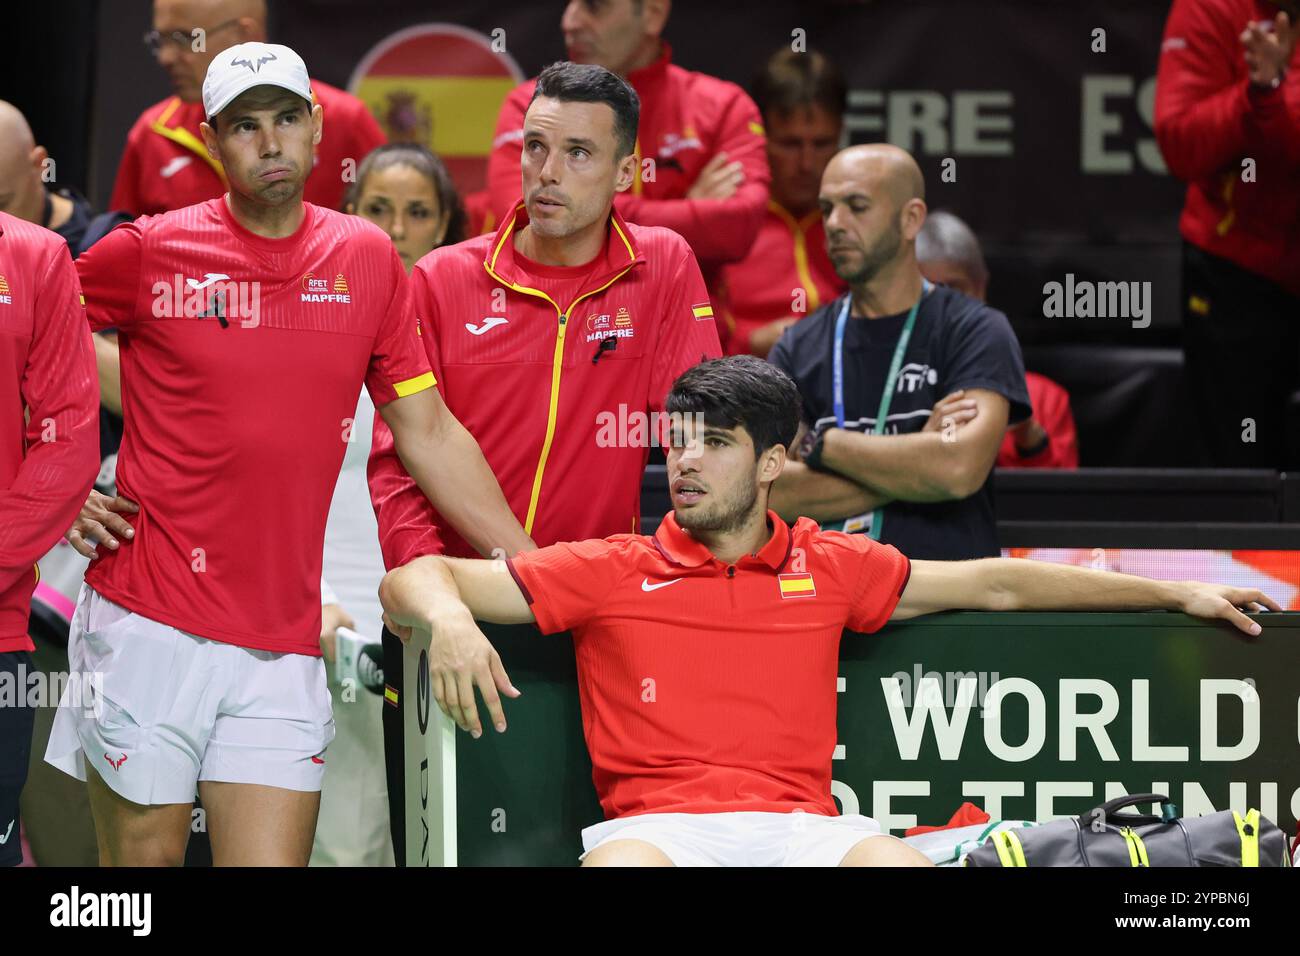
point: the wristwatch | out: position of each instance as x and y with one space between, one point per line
1273 84
1037 449
813 456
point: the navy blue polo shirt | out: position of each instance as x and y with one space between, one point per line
957 343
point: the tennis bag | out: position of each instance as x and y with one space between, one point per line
1105 837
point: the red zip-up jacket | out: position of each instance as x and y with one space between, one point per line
166 166
686 119
1208 119
560 431
49 411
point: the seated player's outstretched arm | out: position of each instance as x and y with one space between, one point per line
1017 584
445 596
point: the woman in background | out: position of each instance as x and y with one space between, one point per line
406 191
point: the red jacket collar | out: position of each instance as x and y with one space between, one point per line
654 72
680 548
620 253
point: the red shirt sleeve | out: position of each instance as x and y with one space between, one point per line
504 181
566 584
688 335
718 230
872 574
407 522
398 365
1058 420
1051 405
1205 116
110 277
60 389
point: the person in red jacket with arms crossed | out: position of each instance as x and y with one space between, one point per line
554 342
787 274
709 177
49 454
165 165
1227 119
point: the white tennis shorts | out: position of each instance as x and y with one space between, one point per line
741 838
173 708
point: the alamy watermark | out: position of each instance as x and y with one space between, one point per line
84 689
1083 299
931 688
641 429
215 296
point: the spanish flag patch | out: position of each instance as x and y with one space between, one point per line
796 585
390 695
702 311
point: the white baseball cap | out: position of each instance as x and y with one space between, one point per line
243 66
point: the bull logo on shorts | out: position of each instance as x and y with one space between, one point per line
115 764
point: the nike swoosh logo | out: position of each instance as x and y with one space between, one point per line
5 839
647 586
208 279
175 166
491 322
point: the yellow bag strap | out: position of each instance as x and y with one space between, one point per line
1017 851
1248 830
1009 849
1137 850
1004 850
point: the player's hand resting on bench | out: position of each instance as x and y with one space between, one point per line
445 596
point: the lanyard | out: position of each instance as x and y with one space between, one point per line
891 380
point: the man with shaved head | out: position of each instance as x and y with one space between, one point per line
873 365
24 192
165 164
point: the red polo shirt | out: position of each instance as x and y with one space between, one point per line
522 353
706 687
166 166
242 358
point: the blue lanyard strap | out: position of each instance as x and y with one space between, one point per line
895 364
891 380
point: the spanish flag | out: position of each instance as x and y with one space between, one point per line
796 585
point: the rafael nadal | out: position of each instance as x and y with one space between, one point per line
248 324
738 617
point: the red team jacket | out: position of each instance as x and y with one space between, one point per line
166 166
788 254
47 369
242 358
686 119
557 429
1208 119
